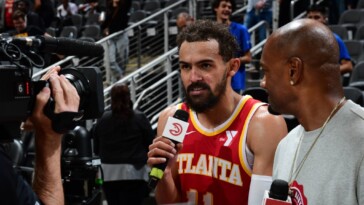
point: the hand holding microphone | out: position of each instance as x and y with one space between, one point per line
278 194
175 130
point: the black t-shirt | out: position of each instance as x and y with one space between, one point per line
14 189
28 31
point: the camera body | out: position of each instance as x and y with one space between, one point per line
16 93
19 90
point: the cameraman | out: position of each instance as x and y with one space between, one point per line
47 184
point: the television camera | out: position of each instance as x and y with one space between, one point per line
18 57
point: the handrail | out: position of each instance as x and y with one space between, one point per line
260 23
255 27
244 8
143 68
155 85
293 2
257 48
166 9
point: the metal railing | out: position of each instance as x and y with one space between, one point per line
302 14
152 77
154 86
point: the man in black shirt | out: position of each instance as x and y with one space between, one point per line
21 27
47 184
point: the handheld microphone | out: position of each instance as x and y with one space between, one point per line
175 130
278 194
61 45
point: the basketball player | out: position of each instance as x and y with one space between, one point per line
231 139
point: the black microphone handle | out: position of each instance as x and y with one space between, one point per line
68 46
279 190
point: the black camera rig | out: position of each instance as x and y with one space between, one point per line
18 57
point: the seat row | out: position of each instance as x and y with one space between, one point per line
90 33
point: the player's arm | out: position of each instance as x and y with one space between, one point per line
167 190
264 133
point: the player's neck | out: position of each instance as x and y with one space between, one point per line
222 111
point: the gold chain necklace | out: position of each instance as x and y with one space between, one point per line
294 175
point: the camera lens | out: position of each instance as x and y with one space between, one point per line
79 81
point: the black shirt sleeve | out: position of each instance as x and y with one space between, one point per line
13 188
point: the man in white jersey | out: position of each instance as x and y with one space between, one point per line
323 157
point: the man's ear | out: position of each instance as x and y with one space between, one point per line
234 65
295 69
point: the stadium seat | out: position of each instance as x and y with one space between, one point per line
355 49
137 16
91 31
340 31
151 6
354 94
69 32
357 76
359 35
51 31
360 4
93 19
351 19
135 6
77 20
258 93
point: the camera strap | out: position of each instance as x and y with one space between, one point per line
64 121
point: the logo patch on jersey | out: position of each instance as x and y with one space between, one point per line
230 136
298 195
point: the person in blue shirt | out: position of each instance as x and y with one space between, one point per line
223 10
319 13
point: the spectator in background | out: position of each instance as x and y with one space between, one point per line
92 7
66 9
6 13
319 14
117 20
259 10
122 136
183 19
351 4
33 19
65 12
22 29
46 10
223 10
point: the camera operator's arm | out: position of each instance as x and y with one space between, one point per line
47 180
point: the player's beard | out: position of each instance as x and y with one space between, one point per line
202 103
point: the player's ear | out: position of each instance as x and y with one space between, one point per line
234 65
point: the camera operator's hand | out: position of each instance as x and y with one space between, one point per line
47 180
64 94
